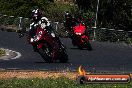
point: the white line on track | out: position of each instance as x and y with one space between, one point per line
17 56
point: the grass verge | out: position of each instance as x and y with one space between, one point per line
2 52
49 79
60 82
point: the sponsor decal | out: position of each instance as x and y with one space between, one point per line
101 78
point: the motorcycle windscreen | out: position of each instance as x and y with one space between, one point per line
79 28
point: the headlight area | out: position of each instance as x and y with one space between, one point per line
36 37
78 33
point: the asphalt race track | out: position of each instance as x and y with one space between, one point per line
106 57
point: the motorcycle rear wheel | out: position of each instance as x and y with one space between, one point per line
80 47
64 57
45 53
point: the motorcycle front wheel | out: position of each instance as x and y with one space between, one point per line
45 53
88 46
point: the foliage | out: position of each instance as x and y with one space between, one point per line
23 8
115 14
55 11
84 4
2 52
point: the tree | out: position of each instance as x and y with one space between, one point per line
115 14
112 13
84 4
21 7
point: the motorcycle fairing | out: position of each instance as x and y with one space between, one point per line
79 28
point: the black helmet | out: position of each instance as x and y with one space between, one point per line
36 15
67 15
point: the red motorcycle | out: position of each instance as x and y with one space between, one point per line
48 46
80 36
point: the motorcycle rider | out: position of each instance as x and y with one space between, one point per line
69 22
38 20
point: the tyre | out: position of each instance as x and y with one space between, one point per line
73 43
64 57
46 53
80 47
81 80
88 46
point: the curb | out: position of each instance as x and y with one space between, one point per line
10 55
8 29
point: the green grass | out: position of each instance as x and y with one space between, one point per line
2 52
54 83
